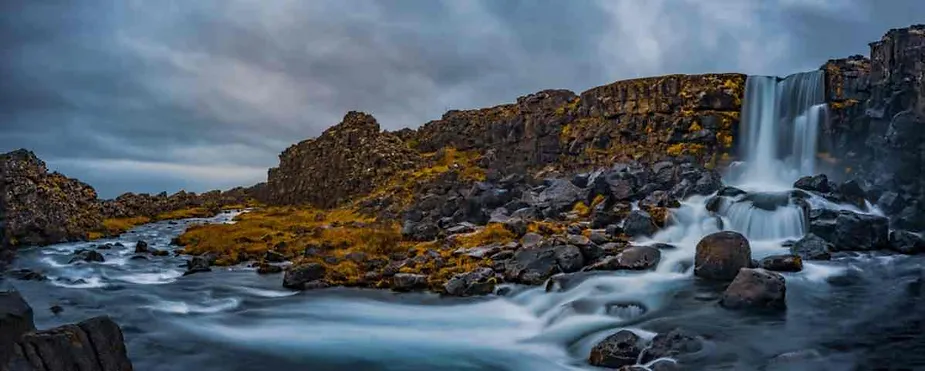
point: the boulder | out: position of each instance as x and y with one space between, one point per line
94 344
632 258
756 289
816 183
274 256
409 282
141 247
782 263
906 242
198 264
27 275
673 344
298 277
561 195
721 255
532 266
420 231
267 268
612 184
156 252
812 247
639 224
891 202
569 258
617 350
480 281
87 256
16 319
854 232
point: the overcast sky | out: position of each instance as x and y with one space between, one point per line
147 96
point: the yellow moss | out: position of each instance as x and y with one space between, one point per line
581 209
197 212
546 228
492 233
117 226
686 149
94 236
695 127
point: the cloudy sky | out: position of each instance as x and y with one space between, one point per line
147 96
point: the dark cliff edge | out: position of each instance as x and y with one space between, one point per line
94 344
877 112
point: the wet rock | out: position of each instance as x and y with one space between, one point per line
854 232
422 231
816 183
56 309
198 264
569 258
517 226
266 268
706 184
561 195
639 224
87 256
16 319
756 289
855 190
107 246
409 282
480 281
578 240
461 228
532 266
782 263
632 258
891 202
673 344
617 350
599 237
720 255
27 275
611 184
94 344
141 247
824 229
274 256
156 252
905 242
297 277
479 252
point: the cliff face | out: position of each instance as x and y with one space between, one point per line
643 119
348 159
130 205
878 112
40 208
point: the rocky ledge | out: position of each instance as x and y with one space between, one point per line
92 345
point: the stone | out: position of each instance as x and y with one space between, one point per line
578 240
673 344
639 224
423 231
617 350
756 289
816 183
409 282
891 202
531 239
16 319
156 252
720 255
94 344
141 247
25 274
274 256
860 232
782 263
480 281
297 277
569 258
87 256
532 266
198 264
461 228
599 237
266 268
632 258
906 242
479 252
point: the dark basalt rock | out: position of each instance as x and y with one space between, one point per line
905 242
674 344
721 255
16 319
639 224
534 265
561 195
617 350
87 256
782 263
27 275
632 258
480 281
756 289
266 268
860 232
891 202
817 183
423 231
273 256
141 247
94 344
298 277
409 282
198 264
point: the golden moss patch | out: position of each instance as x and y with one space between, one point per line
492 233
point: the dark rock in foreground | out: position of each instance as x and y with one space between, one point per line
478 282
756 289
617 350
672 344
297 277
782 263
721 255
409 282
812 247
906 242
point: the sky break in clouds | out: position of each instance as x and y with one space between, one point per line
147 96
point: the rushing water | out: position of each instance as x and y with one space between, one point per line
855 312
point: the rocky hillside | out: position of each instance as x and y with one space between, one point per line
647 119
38 207
877 112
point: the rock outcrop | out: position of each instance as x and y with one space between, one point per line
92 345
41 208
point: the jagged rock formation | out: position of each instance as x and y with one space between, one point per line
131 205
646 119
878 110
348 159
40 208
92 345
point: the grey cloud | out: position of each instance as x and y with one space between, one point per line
149 96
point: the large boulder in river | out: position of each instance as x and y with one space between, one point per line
94 344
534 265
812 247
817 183
87 256
782 263
674 344
297 277
639 224
560 195
198 264
632 258
721 255
756 289
906 242
15 320
617 350
480 281
860 232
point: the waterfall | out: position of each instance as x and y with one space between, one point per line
780 124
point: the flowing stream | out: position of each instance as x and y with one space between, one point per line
858 311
